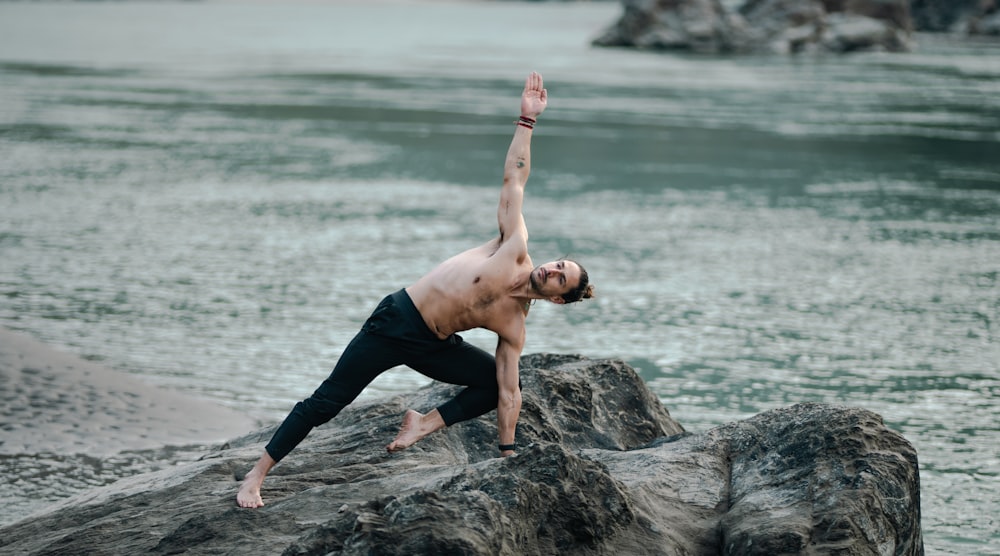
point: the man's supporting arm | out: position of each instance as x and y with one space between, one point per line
509 402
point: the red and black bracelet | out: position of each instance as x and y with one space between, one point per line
527 122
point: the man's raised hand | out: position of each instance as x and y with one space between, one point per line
535 97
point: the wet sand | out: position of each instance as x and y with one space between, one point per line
58 403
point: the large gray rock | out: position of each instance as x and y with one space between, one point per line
784 26
603 469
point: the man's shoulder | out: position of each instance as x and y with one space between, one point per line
506 318
513 248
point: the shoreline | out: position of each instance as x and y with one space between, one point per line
58 403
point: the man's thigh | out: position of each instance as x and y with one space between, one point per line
364 359
463 364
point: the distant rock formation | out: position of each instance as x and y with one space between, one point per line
974 17
695 25
784 26
602 469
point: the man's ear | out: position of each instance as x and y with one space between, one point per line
557 299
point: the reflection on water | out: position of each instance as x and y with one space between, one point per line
218 208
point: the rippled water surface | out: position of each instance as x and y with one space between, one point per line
214 196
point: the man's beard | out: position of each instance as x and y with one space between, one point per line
534 284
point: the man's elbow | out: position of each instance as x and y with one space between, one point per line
515 179
509 399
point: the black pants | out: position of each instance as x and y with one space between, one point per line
395 334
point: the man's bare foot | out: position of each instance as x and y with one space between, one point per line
415 426
249 493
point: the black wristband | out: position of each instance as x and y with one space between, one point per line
506 447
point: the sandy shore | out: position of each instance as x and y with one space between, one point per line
56 402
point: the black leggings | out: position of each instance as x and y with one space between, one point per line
395 334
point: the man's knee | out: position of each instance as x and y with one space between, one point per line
315 410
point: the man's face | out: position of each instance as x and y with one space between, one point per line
555 278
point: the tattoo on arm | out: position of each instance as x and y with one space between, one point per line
520 163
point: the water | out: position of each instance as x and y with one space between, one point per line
214 196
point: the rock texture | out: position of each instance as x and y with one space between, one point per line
603 469
976 17
696 25
706 26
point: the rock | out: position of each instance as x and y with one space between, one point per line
987 25
956 16
781 25
896 13
846 33
697 25
602 469
785 26
823 480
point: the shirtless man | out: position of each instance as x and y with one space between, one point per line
490 286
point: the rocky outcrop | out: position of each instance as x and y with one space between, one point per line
602 469
695 25
706 26
976 17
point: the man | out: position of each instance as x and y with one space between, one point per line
490 286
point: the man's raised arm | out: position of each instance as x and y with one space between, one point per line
517 166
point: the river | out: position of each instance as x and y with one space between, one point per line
213 196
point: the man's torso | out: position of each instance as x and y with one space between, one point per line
474 290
